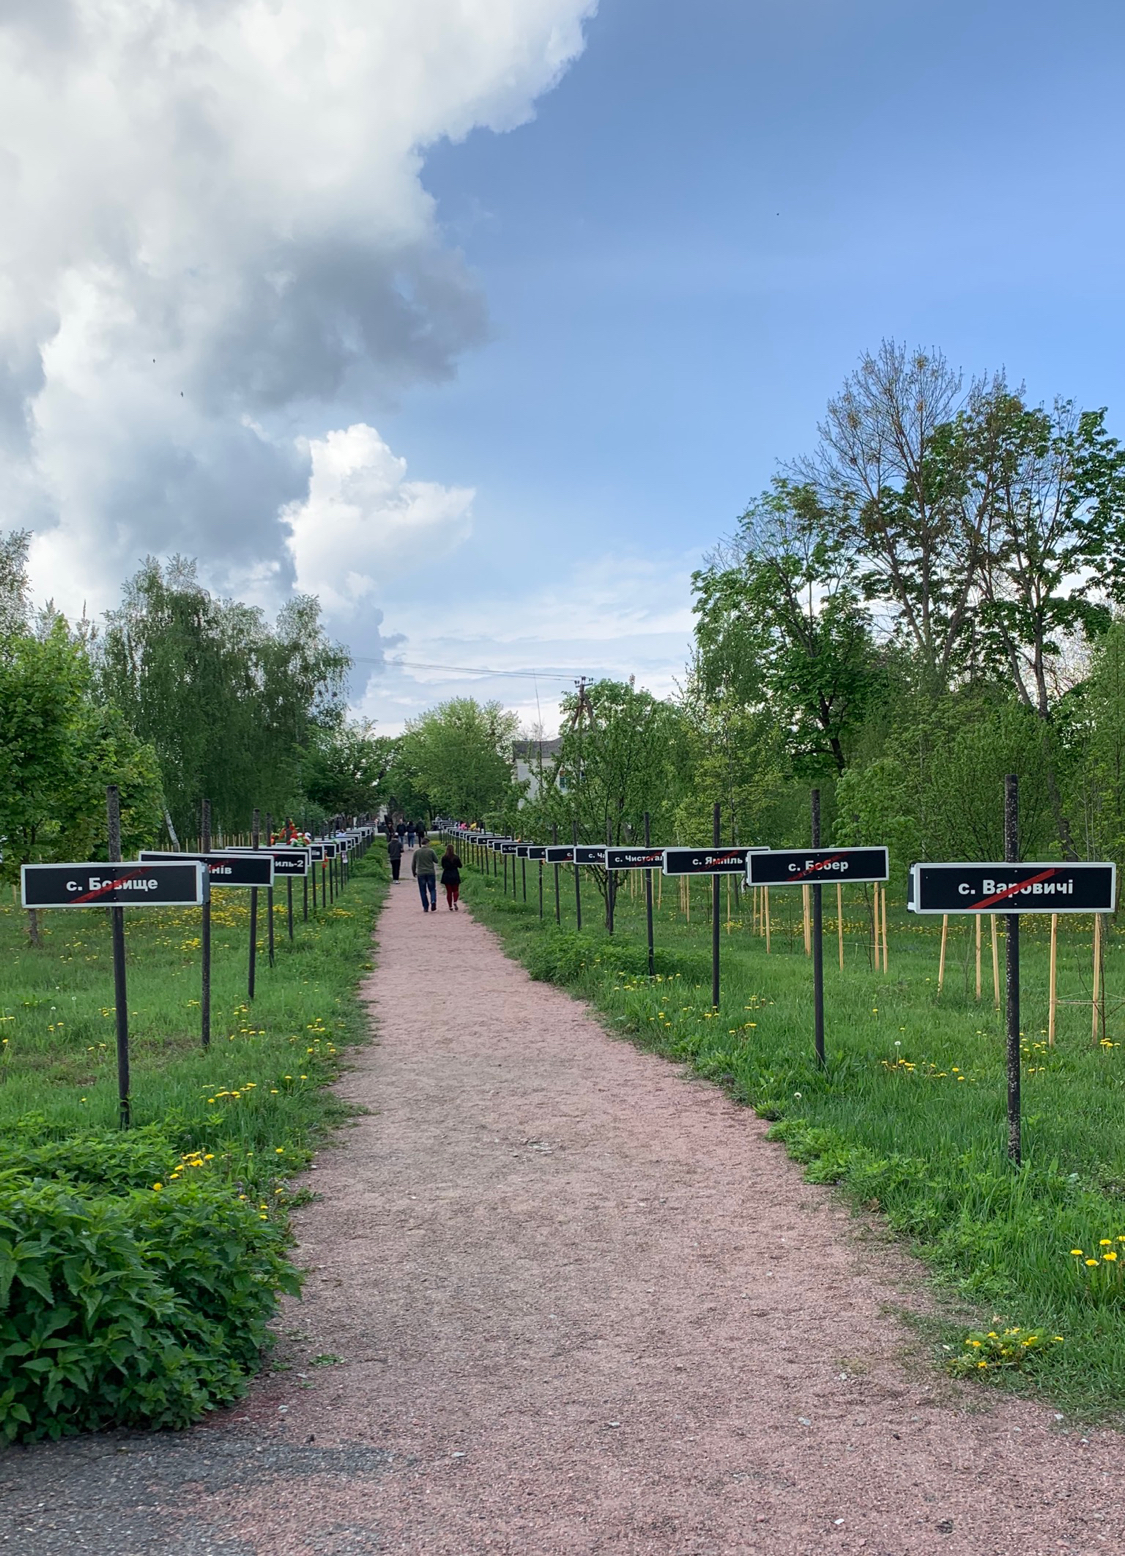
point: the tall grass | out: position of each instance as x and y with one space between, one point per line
909 1114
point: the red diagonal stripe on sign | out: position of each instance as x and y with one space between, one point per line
1009 891
813 869
109 886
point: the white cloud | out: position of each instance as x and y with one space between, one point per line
214 223
611 616
363 523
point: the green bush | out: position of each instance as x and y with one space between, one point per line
145 1308
564 956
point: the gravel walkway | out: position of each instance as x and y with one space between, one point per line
581 1307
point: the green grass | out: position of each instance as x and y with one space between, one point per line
258 1090
909 1116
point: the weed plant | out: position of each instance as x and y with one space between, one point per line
909 1115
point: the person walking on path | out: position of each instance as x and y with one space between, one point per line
410 834
394 855
401 830
451 878
423 866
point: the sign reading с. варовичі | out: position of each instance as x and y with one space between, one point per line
1077 887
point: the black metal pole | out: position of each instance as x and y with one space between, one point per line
1012 969
716 840
305 894
205 976
269 890
120 994
540 888
523 877
610 877
558 902
818 941
648 901
505 875
577 883
289 902
255 840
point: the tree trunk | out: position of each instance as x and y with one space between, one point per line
33 935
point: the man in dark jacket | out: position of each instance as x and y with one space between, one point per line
394 854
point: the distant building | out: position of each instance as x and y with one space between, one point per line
532 757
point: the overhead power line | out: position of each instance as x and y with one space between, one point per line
419 664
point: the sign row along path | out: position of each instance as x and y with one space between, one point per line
582 1306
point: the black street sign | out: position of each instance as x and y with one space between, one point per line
589 854
150 885
536 851
799 866
224 869
523 850
509 848
634 858
1012 888
286 861
559 853
705 861
322 851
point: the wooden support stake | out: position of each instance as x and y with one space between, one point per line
995 961
875 922
807 918
1053 982
766 911
840 920
980 937
1097 972
883 894
941 959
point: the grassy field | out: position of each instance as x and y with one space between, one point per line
909 1116
258 1089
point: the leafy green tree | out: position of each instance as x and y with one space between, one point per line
59 748
782 626
621 753
231 703
458 757
345 768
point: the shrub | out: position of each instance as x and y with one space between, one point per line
146 1308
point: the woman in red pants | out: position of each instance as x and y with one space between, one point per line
451 878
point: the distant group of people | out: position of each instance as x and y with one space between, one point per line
425 864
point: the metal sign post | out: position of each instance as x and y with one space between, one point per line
269 891
205 937
577 886
1073 887
799 867
818 940
255 839
558 905
648 903
167 884
716 839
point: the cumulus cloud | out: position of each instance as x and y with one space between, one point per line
215 236
363 523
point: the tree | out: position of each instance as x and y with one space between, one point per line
59 749
15 605
345 768
620 754
781 625
459 757
231 702
906 498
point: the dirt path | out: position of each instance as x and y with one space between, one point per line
583 1307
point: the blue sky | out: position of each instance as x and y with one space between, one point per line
492 392
711 216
